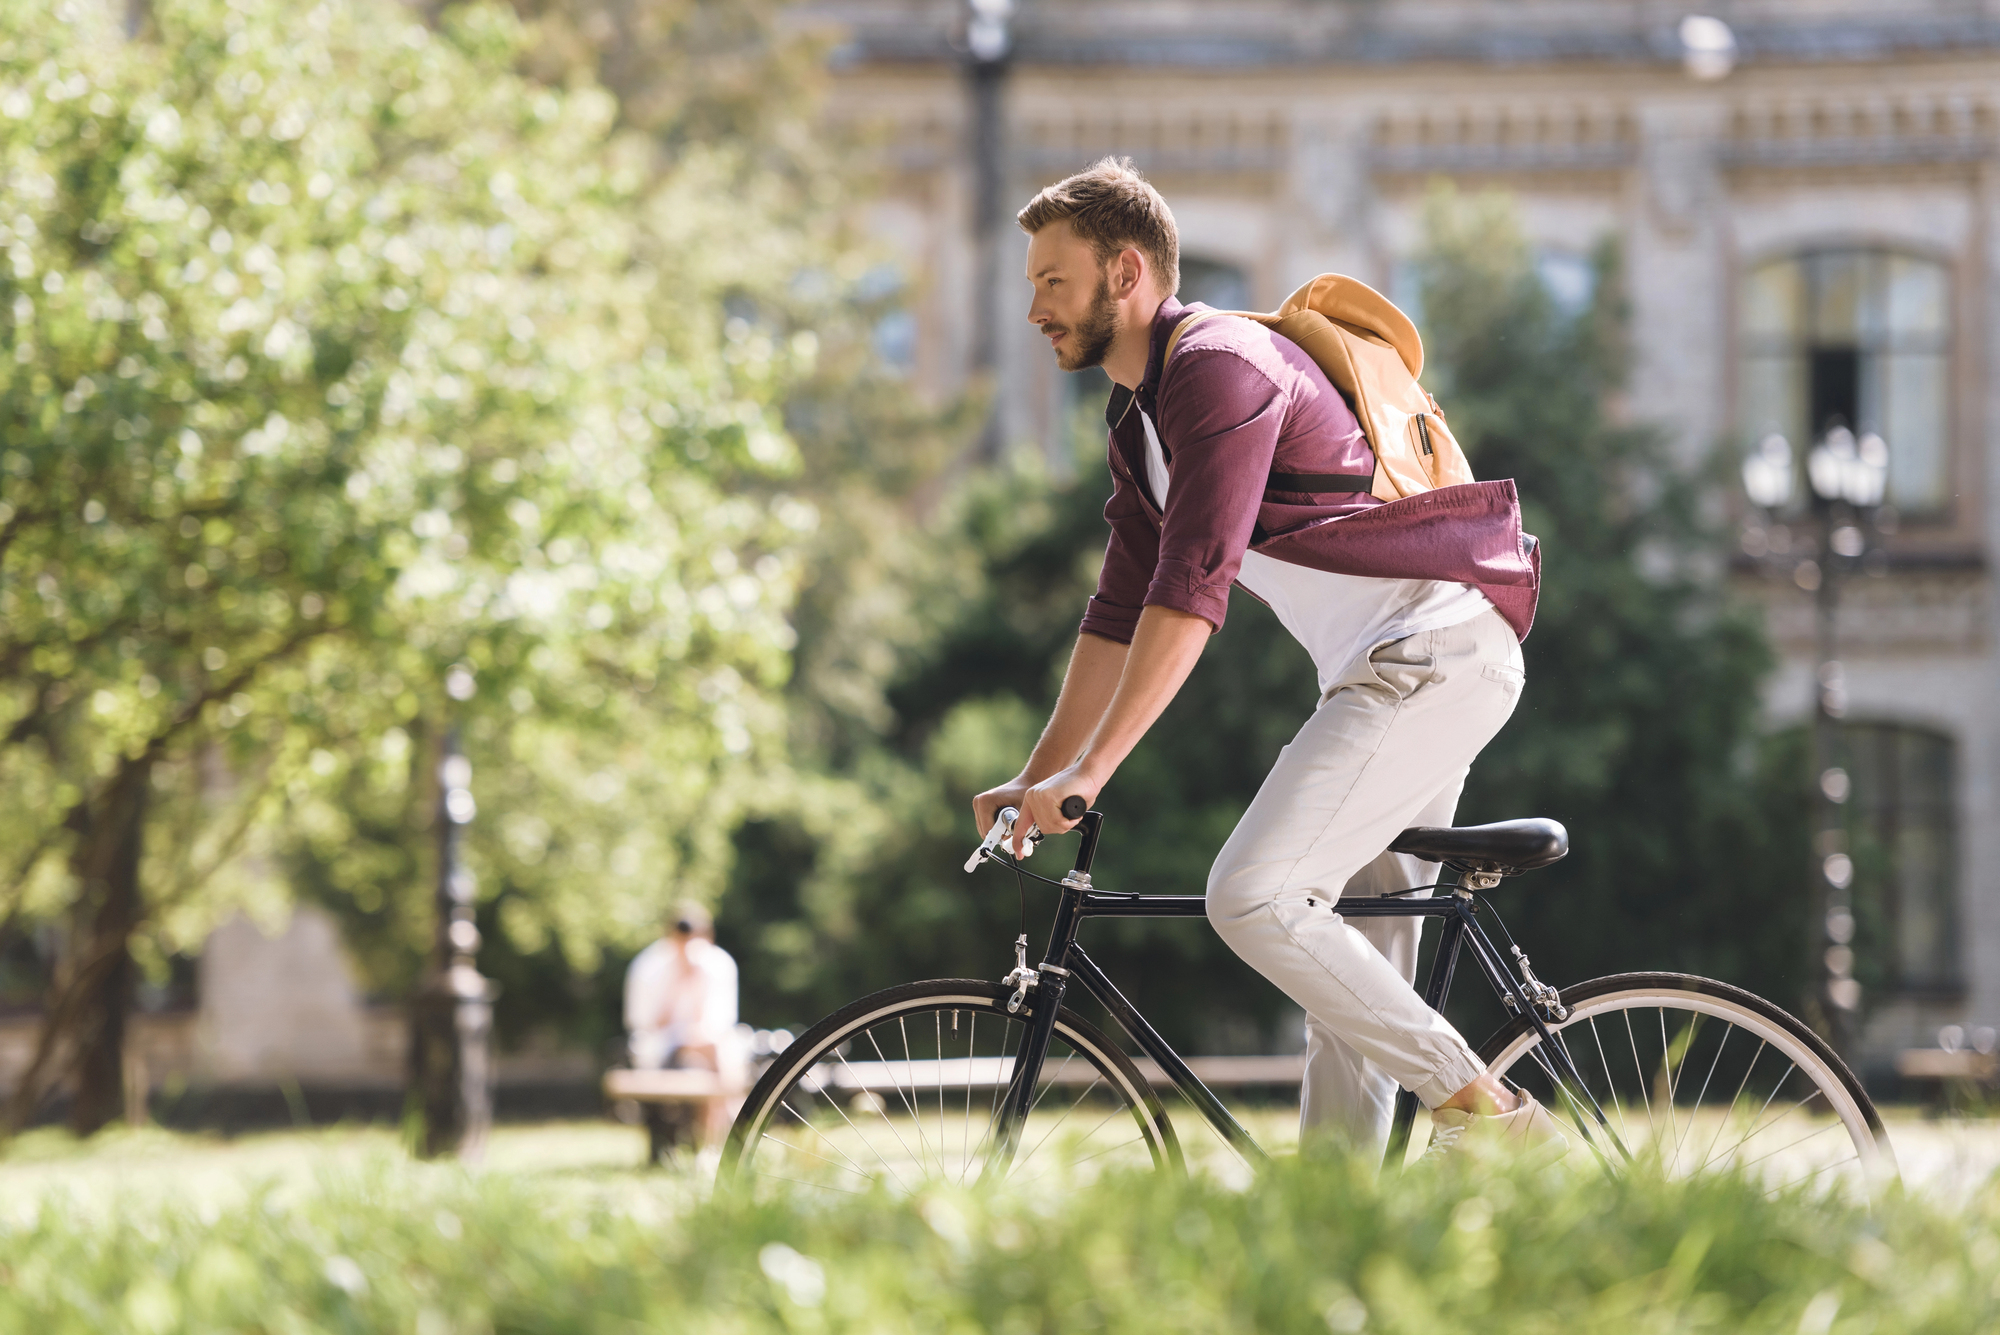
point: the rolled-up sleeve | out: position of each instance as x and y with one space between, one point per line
1129 560
1223 417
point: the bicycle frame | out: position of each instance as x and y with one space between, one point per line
1065 960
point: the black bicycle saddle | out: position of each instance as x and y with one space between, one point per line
1507 847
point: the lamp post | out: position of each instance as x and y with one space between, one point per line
989 44
1845 481
450 1052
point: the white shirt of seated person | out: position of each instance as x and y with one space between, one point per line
676 996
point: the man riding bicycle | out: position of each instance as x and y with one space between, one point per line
1412 611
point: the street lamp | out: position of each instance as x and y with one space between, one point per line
1846 478
450 1056
989 45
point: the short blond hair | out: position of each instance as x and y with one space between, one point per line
1111 206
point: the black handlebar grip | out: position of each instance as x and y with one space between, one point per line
1073 807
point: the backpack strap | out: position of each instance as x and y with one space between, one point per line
1318 484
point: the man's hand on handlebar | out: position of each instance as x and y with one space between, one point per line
986 806
1059 801
1056 803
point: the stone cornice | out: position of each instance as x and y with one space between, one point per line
1228 38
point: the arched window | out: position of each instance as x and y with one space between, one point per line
1902 834
1858 338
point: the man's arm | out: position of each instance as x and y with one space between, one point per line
1164 650
1111 695
1088 685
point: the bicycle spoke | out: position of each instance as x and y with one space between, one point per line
1610 1086
1667 1063
1834 1125
1051 1081
1640 1070
1757 1121
1074 1104
1038 1176
1098 1154
1703 1093
972 1055
862 1085
907 1100
1756 1126
800 1149
1051 1131
1735 1100
841 1113
914 1102
1000 1087
1854 1158
799 1182
831 1143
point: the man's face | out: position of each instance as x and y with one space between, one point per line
1072 306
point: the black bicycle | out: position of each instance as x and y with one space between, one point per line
963 1079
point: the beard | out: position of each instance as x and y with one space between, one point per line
1092 335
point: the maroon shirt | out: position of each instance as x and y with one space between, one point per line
1241 403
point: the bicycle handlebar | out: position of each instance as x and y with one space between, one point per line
1073 808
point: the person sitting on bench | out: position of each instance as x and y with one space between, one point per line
680 1014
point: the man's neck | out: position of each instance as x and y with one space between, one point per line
1126 362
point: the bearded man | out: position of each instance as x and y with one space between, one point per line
1412 612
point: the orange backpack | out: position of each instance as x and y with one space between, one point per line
1373 356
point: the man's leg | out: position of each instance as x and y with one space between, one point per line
1383 745
1344 1092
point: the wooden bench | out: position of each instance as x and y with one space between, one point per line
669 1102
1944 1064
661 1086
672 1094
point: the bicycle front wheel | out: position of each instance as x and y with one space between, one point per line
904 1087
1696 1076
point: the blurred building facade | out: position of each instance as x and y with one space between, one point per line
1808 202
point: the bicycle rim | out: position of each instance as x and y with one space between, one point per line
1689 1075
903 1088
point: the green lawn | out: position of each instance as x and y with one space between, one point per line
339 1231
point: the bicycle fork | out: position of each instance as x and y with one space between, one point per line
1048 982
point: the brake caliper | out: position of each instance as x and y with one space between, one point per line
1022 977
1546 998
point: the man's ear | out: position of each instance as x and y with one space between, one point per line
1129 272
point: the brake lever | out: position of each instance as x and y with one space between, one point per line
1003 825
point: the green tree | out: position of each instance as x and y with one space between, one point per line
339 370
1639 728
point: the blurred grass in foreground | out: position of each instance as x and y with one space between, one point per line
336 1231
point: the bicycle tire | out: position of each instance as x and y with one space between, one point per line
791 1083
1512 1053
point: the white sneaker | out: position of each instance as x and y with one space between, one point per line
1527 1130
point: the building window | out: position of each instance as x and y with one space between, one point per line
1856 338
1214 283
1901 830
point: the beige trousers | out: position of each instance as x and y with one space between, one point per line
1388 748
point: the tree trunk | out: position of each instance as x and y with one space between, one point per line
84 1029
109 911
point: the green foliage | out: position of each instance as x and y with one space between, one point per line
1639 725
1312 1245
339 357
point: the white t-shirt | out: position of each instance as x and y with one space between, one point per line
668 1005
1338 618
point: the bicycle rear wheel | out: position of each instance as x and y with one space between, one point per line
904 1087
1698 1076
